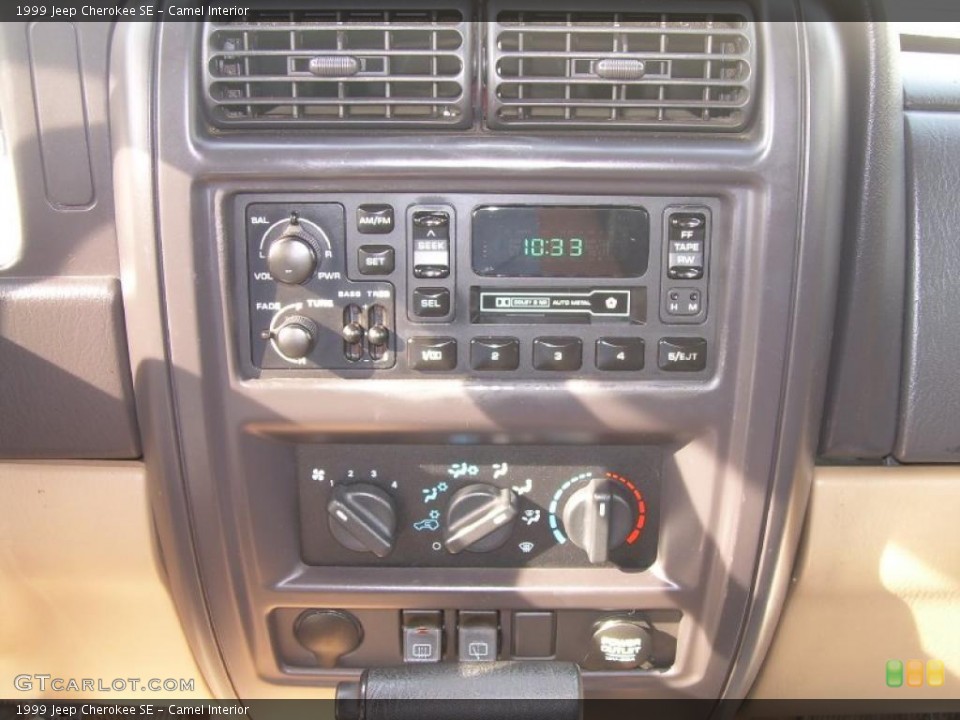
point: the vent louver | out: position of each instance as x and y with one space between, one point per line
399 68
619 70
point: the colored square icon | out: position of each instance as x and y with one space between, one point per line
935 673
914 673
894 673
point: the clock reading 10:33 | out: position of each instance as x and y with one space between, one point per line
553 247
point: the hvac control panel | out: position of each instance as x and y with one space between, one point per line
541 287
479 506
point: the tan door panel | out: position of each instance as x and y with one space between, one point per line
878 579
82 594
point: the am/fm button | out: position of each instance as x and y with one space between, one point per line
683 354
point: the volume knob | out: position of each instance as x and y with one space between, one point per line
295 257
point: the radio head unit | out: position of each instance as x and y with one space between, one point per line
522 287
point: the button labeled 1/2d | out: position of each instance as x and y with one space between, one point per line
683 354
432 354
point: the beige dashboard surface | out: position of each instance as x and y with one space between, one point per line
82 595
877 579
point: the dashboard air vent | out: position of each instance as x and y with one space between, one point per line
620 70
397 68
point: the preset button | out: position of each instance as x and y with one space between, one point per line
620 354
683 354
432 354
558 354
495 354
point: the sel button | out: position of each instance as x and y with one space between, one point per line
683 354
432 354
431 302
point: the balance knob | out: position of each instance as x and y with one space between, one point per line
479 518
363 518
598 518
296 337
295 256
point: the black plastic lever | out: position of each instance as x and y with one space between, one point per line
465 691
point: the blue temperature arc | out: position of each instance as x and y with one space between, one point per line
555 504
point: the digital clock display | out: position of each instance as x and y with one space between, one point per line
562 242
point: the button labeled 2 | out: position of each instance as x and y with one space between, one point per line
495 354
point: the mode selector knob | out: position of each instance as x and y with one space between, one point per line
598 518
479 518
295 256
363 518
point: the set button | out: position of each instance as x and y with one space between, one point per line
376 260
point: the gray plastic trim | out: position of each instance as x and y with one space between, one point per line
825 94
131 114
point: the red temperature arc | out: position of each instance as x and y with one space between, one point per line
641 506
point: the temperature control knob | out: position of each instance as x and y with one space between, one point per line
295 256
598 518
479 518
363 518
296 337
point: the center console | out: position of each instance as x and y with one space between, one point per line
493 389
